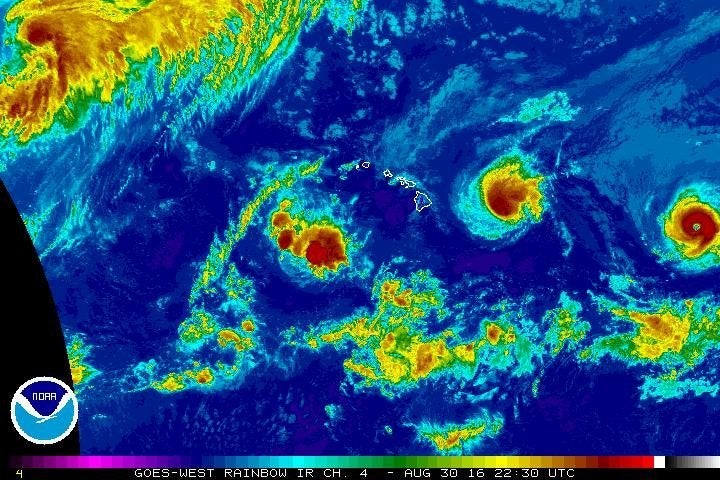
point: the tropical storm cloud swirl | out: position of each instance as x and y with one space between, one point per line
361 227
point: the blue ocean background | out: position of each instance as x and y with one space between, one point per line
128 225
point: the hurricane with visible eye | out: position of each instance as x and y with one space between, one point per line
690 229
694 226
504 199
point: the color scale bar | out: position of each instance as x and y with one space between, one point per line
102 461
692 462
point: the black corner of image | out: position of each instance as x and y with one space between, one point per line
34 345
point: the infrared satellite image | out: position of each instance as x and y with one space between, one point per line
364 227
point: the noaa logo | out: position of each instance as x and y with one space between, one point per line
44 410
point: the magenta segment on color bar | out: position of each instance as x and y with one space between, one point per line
101 461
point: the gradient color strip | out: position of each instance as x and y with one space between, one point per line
692 462
106 461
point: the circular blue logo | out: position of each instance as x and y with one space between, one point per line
44 410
